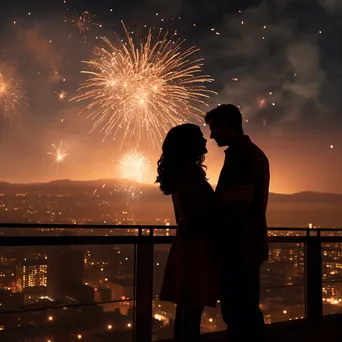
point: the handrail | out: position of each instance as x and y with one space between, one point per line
142 226
21 241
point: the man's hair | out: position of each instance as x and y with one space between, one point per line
226 113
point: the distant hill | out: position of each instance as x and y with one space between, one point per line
152 192
307 196
287 210
310 196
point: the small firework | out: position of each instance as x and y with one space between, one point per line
145 87
13 101
262 103
59 153
134 166
62 95
83 23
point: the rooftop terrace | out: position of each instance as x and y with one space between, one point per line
101 283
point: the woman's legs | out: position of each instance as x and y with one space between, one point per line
187 323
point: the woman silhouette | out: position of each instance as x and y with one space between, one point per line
191 276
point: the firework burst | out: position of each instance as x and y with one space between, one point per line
83 23
62 95
142 87
262 103
12 95
134 166
59 153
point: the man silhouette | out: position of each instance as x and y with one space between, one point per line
242 236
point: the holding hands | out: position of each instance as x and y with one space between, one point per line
242 193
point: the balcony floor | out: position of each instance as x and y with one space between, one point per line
328 329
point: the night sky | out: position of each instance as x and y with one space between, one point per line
279 60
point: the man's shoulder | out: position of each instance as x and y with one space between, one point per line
246 150
255 149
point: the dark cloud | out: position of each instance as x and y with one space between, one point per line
333 6
276 54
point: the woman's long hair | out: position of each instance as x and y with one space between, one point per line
182 149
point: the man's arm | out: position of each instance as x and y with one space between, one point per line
238 193
241 178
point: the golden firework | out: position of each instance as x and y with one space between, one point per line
83 23
12 95
59 152
134 166
143 87
62 95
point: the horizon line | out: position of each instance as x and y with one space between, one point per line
153 184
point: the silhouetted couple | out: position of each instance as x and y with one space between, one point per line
221 238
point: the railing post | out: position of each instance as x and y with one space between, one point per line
313 266
143 289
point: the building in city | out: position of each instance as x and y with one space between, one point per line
65 276
34 273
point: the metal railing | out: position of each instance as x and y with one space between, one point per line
145 238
